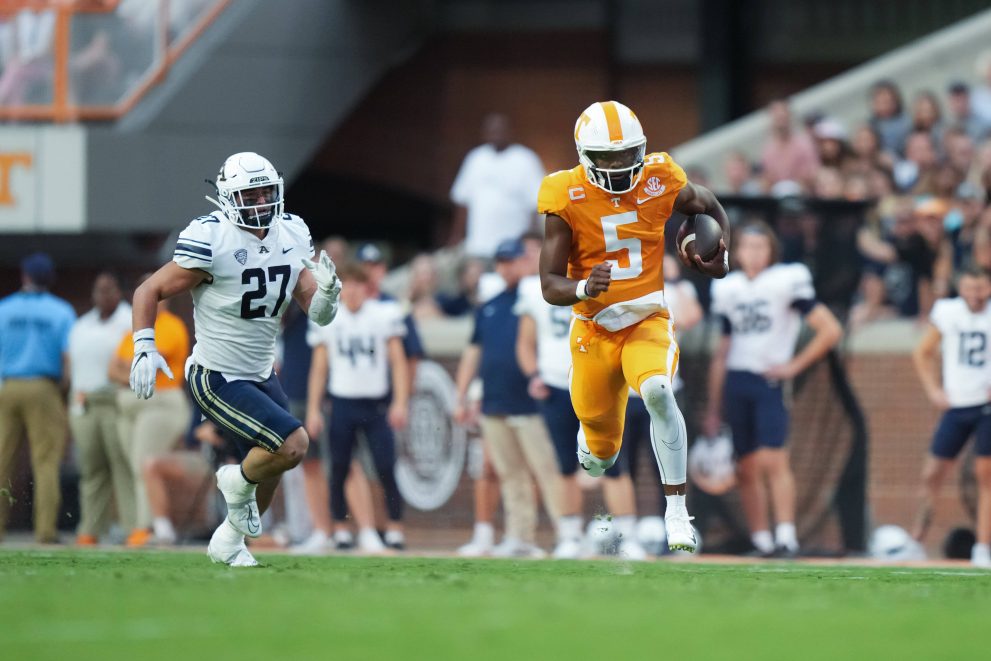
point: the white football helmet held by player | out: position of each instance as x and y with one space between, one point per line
894 544
611 146
250 190
710 463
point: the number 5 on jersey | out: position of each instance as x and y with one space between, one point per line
610 231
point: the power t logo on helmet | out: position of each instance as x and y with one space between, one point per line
611 146
250 190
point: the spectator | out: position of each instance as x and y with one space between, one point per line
516 436
336 248
739 173
959 150
787 154
28 66
917 167
888 117
466 299
866 154
369 390
828 184
105 473
422 295
980 96
857 188
151 427
34 340
494 190
962 114
962 226
928 116
831 143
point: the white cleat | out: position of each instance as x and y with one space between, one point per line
630 549
567 549
315 544
242 508
681 533
370 542
588 463
980 557
476 548
511 547
223 550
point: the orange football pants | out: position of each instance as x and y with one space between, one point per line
606 365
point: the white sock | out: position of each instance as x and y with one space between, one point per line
785 535
626 527
569 527
227 534
981 552
762 541
484 533
668 435
676 502
163 529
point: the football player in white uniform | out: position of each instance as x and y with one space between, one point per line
761 306
960 328
543 349
368 384
241 263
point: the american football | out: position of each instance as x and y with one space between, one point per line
700 235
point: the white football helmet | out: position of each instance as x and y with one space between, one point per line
710 463
250 190
611 146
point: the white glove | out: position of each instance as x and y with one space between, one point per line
323 305
147 361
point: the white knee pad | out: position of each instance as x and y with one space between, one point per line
668 435
593 465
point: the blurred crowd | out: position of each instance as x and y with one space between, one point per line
112 45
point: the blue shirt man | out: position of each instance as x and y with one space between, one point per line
34 326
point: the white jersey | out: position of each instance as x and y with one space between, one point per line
553 331
237 313
763 314
357 348
966 357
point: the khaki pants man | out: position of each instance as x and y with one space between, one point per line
520 447
149 428
35 407
104 468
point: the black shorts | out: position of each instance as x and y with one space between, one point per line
957 426
253 412
754 409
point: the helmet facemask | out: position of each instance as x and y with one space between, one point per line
254 206
614 170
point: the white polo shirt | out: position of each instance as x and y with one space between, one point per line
92 344
499 189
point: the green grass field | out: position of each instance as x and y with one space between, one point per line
160 605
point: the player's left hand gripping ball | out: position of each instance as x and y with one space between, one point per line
147 361
325 273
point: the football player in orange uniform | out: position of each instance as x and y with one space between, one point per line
603 253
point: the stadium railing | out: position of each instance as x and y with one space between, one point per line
103 55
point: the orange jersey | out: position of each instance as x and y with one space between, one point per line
626 229
172 341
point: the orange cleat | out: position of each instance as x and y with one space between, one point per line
86 540
139 537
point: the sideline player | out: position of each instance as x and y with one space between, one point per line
359 361
241 264
603 254
761 306
960 327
